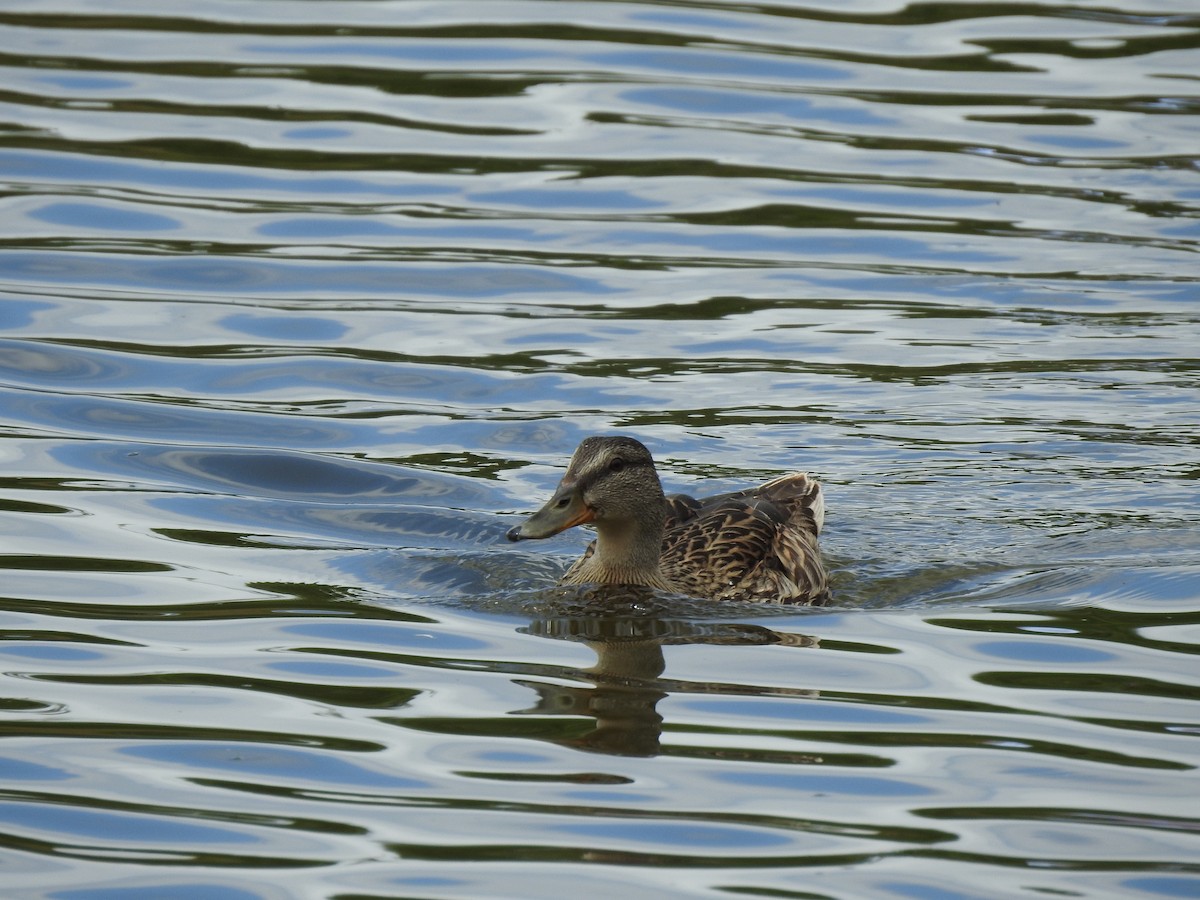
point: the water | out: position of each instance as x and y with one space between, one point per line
305 304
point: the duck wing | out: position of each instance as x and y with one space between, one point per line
757 544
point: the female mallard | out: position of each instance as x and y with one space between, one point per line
757 544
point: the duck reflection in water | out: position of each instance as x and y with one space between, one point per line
626 681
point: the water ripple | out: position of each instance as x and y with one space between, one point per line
305 304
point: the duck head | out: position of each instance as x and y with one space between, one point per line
610 481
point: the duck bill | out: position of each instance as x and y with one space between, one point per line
564 510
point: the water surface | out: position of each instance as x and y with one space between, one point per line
305 304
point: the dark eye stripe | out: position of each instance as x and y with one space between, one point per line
630 463
598 474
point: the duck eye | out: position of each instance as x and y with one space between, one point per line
616 465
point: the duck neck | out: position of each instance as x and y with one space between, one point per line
629 551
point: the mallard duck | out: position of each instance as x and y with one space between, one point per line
757 544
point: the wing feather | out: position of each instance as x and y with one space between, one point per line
755 544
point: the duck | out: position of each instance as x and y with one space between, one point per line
758 544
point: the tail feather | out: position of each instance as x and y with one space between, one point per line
788 496
797 493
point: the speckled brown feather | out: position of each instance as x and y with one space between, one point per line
759 544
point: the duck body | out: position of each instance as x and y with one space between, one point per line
757 544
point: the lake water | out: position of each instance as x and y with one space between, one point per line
304 304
